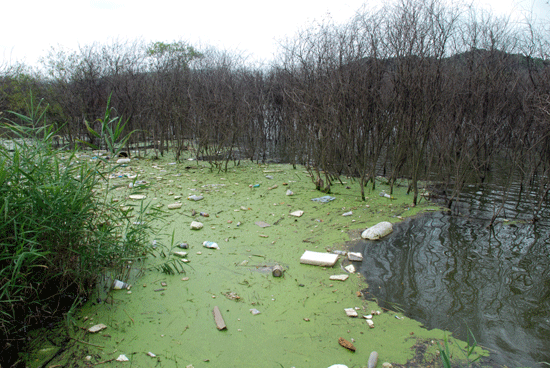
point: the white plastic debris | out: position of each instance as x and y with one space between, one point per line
297 213
351 312
355 256
318 259
338 366
289 192
347 213
117 285
174 206
350 268
195 197
211 245
122 358
97 328
137 197
180 254
151 355
195 225
254 311
370 323
377 231
339 277
123 161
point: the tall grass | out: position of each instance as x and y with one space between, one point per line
58 232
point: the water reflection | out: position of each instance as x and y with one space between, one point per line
453 273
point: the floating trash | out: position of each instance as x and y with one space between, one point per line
122 358
117 285
347 213
180 254
324 199
195 225
339 277
254 311
350 268
318 259
211 245
97 328
137 197
289 192
195 197
351 312
345 343
377 231
355 256
297 213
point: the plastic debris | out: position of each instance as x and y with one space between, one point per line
137 197
183 245
377 231
117 285
195 197
174 206
123 161
297 213
373 359
385 195
289 192
122 358
370 323
254 311
355 256
204 214
338 366
270 177
351 312
220 323
180 254
318 259
324 199
347 213
97 328
151 355
262 224
350 268
195 225
345 343
278 271
339 277
211 245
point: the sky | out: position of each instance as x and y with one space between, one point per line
30 28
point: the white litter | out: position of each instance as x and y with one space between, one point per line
297 213
97 328
122 358
318 259
377 231
195 225
339 277
351 312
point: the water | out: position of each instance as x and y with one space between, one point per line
451 271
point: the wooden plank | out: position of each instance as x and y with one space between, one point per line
219 319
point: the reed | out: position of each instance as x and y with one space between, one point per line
58 232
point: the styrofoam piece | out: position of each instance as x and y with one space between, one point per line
195 225
318 259
297 213
174 206
351 312
339 277
123 161
181 254
350 268
377 231
97 328
355 256
137 197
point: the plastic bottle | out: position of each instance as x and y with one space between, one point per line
204 214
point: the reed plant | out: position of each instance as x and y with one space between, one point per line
59 230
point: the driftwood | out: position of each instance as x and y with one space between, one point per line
219 319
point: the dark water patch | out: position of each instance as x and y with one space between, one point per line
455 273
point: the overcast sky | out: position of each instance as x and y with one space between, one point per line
29 29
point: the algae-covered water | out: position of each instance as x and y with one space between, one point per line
301 315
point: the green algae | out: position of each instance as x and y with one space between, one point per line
301 314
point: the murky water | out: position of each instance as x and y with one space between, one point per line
453 272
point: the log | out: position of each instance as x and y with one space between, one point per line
219 319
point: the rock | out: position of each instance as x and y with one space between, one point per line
377 231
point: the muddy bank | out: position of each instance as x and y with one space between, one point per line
301 314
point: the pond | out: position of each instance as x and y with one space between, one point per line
453 272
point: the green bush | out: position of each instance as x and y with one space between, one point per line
58 232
